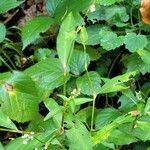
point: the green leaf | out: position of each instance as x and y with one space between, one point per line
48 73
6 5
78 62
93 35
65 7
55 111
66 39
134 62
32 29
120 138
145 56
5 121
109 40
116 84
51 6
107 2
19 97
105 116
134 42
103 134
78 136
3 32
79 101
42 53
118 15
89 83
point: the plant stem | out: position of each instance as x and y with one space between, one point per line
14 131
93 112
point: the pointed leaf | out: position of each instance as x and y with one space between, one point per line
32 29
5 121
66 39
6 5
19 97
116 84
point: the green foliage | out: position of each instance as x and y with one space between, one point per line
48 73
18 98
33 28
5 121
65 40
9 4
76 77
135 42
3 32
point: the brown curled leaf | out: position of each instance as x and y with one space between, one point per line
145 11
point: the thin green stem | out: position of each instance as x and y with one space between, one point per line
93 112
14 131
5 63
9 60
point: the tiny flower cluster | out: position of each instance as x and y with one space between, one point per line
75 92
28 137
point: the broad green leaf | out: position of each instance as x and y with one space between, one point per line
120 138
39 125
134 62
134 42
2 31
118 15
144 126
6 5
48 73
89 83
65 7
19 97
105 116
78 62
5 121
107 2
55 111
66 39
32 29
51 6
127 104
103 134
93 35
84 115
116 84
145 56
109 40
78 137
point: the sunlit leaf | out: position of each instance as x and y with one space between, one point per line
32 29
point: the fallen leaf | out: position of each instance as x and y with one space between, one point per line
145 11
